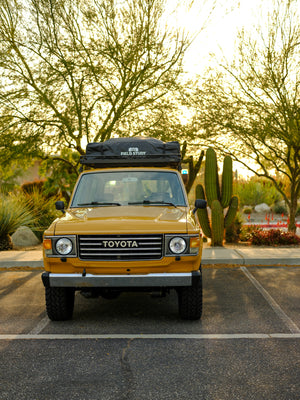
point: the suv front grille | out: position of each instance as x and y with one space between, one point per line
121 247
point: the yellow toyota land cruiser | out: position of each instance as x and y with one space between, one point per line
128 227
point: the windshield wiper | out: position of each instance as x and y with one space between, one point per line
96 203
148 202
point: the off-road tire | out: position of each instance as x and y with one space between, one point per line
59 303
190 301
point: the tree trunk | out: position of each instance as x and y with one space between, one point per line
293 209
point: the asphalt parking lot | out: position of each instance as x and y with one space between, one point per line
246 346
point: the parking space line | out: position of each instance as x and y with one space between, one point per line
40 326
209 336
275 306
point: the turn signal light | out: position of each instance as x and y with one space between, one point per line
194 242
47 244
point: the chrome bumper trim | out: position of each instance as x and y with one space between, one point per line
147 280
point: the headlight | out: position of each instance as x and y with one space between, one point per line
64 246
177 245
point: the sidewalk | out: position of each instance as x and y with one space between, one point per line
212 257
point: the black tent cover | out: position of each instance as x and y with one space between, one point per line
132 151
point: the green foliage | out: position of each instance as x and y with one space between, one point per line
218 199
13 213
232 233
280 209
61 173
10 173
81 71
217 223
231 213
193 167
36 185
247 210
274 237
227 180
256 191
249 106
25 209
247 231
212 189
43 209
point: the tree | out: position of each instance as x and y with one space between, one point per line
250 108
76 71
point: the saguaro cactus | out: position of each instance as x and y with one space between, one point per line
218 199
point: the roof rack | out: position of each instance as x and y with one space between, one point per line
132 152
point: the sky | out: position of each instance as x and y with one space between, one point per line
217 28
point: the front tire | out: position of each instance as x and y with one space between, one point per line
59 303
190 301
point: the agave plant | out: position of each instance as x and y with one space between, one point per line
13 213
43 209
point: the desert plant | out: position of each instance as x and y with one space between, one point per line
232 233
13 214
29 187
256 191
280 209
247 231
43 208
274 237
218 199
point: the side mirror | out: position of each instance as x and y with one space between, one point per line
199 203
60 205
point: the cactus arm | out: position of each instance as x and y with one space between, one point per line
202 213
226 182
217 223
212 189
231 213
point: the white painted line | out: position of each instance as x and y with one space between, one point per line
275 306
40 326
154 336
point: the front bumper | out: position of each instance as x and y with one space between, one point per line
121 281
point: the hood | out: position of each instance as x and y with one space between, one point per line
123 220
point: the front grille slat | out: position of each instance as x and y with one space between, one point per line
121 247
83 238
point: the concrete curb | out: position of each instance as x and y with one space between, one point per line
252 256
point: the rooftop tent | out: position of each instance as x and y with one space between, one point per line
132 152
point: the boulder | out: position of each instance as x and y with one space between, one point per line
24 237
262 208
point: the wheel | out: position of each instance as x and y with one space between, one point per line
59 303
190 301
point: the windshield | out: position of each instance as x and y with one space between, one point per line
129 188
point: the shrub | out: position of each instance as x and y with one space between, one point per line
36 185
247 210
256 191
274 237
247 231
43 208
61 175
280 209
13 214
